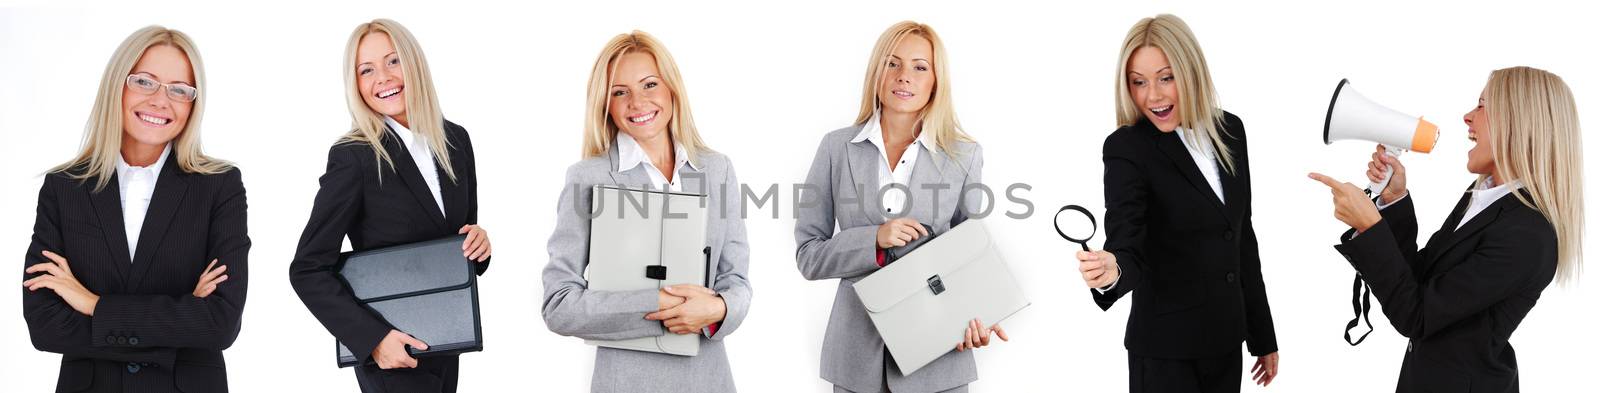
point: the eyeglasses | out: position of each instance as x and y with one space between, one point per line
176 91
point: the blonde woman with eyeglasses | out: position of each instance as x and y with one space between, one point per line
639 133
137 268
403 174
1517 227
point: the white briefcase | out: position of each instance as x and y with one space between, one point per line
648 240
923 301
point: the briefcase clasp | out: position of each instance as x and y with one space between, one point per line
655 272
935 284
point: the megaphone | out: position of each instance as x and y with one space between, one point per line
1351 116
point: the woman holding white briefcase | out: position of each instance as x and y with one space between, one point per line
902 169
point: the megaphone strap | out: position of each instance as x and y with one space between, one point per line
1361 302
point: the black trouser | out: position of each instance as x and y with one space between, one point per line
434 374
1220 374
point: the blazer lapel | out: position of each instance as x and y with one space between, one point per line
863 160
171 188
1173 148
930 169
108 210
454 192
1472 226
406 167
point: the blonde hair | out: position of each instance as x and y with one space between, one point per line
422 105
1534 126
939 116
599 132
102 136
1199 112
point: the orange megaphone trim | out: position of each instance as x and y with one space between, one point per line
1426 136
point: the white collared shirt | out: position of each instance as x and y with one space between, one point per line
136 185
1482 196
895 200
422 155
630 155
1205 157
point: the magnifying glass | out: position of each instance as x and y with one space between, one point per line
1076 228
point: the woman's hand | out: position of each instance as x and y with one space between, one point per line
391 352
209 279
1381 162
1099 268
899 232
1350 204
58 277
1266 369
978 336
476 247
666 300
701 307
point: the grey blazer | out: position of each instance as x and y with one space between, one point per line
570 309
842 189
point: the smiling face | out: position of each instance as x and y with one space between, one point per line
1480 159
1153 87
379 77
640 104
908 78
155 119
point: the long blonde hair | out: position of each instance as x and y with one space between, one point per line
1534 126
939 116
422 105
1200 113
599 132
102 136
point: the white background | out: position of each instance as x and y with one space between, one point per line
1033 83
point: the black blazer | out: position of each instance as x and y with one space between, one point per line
148 332
376 210
1190 260
1460 298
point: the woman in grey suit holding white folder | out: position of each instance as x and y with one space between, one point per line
639 134
904 165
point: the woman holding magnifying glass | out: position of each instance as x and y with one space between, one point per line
1178 231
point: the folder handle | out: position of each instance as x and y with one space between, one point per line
707 252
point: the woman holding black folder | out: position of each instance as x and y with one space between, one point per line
402 175
905 168
137 268
639 133
1179 235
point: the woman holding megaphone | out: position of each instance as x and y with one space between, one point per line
1517 227
1179 235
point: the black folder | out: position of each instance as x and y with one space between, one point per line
425 289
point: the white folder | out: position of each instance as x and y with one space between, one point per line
640 239
922 302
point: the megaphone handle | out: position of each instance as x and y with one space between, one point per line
1376 188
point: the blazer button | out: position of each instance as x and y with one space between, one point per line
133 368
1232 277
122 340
133 341
1227 235
111 339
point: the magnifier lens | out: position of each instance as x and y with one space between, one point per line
1075 226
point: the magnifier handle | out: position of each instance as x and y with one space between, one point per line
1085 246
